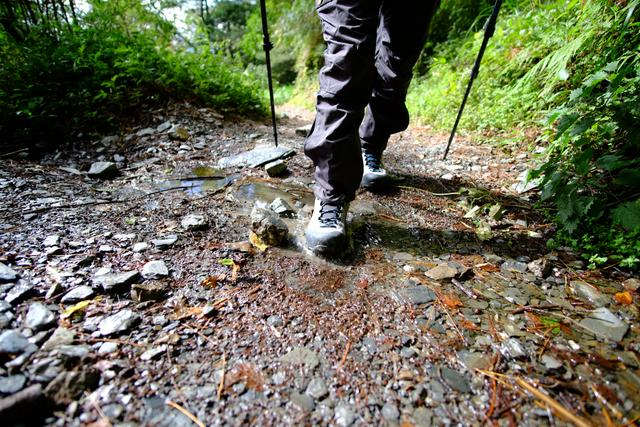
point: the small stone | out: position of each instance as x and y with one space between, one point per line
116 282
103 170
145 132
390 412
417 295
107 348
589 293
550 362
61 336
103 249
150 291
12 384
153 353
20 292
512 349
194 222
631 284
279 378
118 323
275 168
302 401
38 317
140 247
282 208
164 126
13 342
513 266
155 270
52 240
447 176
317 388
455 380
441 272
7 274
302 356
70 385
275 321
344 415
77 294
73 351
268 226
303 130
165 242
605 324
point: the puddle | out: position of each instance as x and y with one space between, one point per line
204 179
247 194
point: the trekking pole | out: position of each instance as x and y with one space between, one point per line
489 29
267 46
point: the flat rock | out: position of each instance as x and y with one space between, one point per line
179 133
153 353
275 168
302 356
140 247
107 348
344 415
455 380
605 324
268 226
52 240
302 401
259 156
512 349
417 295
550 362
116 281
282 208
441 272
118 323
513 266
631 284
20 292
146 132
155 270
589 293
7 274
194 222
13 342
12 384
38 317
103 170
540 267
61 336
164 126
317 388
78 294
165 242
390 412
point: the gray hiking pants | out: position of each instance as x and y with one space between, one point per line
372 46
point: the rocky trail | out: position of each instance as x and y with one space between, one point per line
133 290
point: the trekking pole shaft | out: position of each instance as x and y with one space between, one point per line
267 46
488 32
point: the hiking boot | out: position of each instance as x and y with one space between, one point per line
374 176
326 231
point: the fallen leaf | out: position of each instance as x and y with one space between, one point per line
78 308
257 242
234 272
488 267
212 281
248 373
451 301
623 298
226 261
468 325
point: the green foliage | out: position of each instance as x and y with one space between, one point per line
114 60
591 171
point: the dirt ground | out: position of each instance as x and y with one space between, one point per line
448 309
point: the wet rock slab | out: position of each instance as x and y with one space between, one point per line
7 274
259 156
605 324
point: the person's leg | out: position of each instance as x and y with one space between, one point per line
401 34
349 28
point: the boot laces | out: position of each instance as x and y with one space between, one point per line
373 162
330 214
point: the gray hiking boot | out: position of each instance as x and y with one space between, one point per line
327 230
374 176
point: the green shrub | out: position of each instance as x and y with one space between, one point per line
114 60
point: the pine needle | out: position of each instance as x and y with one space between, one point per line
186 413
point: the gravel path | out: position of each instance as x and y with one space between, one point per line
130 293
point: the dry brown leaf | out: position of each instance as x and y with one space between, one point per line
212 281
488 267
451 301
248 373
468 325
623 298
